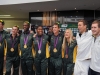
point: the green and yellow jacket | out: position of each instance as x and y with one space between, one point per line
44 48
57 54
26 53
3 44
8 47
72 52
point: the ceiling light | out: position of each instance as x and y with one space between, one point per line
5 15
37 10
75 8
9 28
55 9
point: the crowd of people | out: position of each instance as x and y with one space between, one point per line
54 53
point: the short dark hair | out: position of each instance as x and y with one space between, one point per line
84 22
16 26
27 22
96 22
39 26
1 21
56 25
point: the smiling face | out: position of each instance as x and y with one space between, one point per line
56 29
67 34
40 30
81 27
1 25
15 30
26 26
95 29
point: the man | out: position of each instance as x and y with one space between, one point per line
50 32
83 39
12 52
26 42
95 49
41 52
55 66
2 43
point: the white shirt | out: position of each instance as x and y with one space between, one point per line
95 55
84 44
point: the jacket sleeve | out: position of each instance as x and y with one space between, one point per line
74 54
62 53
5 47
33 51
19 50
47 51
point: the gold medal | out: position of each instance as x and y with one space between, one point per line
0 44
12 49
25 46
55 50
66 56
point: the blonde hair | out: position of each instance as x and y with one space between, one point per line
65 39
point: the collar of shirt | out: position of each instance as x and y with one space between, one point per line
39 36
1 31
56 35
12 37
98 37
26 32
83 34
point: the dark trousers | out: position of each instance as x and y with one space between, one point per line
48 66
1 65
55 66
12 61
27 66
41 66
91 72
68 68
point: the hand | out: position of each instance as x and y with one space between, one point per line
74 38
4 58
31 31
17 34
34 35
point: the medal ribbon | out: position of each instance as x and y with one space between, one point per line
26 39
39 43
12 42
67 49
56 41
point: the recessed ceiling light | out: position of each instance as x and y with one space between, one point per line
75 8
55 9
37 10
5 15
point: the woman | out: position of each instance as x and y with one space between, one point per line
41 52
69 52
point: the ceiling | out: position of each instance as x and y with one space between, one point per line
22 10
